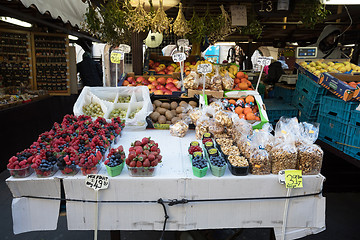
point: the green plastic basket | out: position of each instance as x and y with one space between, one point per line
115 171
217 171
199 172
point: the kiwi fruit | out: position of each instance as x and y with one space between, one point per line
175 120
193 104
174 112
174 105
165 105
179 110
162 119
157 103
183 104
154 116
169 115
161 110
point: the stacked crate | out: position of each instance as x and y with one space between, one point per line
276 108
352 140
307 98
334 118
284 92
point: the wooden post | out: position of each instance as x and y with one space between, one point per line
137 52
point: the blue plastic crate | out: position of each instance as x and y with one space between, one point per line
355 118
305 105
353 139
303 117
276 108
332 131
309 89
284 93
336 108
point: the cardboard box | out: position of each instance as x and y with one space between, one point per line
263 115
336 83
212 93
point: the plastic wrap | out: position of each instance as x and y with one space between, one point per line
227 82
259 162
283 156
202 126
216 81
215 128
191 81
223 118
179 129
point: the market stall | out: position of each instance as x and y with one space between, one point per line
130 203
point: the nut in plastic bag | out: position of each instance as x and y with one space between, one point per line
191 81
310 157
179 129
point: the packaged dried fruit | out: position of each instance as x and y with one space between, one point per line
260 162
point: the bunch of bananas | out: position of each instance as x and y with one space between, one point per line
233 69
210 75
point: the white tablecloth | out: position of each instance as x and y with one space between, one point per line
172 180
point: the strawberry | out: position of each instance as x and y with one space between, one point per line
151 157
127 161
132 164
145 140
154 163
146 163
159 157
141 157
138 164
146 152
146 147
106 162
137 143
153 148
138 152
121 148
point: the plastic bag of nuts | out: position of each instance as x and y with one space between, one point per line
202 126
227 82
283 156
244 144
179 129
230 150
310 159
260 162
191 81
223 118
195 114
215 127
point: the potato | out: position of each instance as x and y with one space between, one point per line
174 105
180 110
161 110
154 106
174 112
157 103
165 105
183 104
193 104
169 115
168 122
162 119
175 120
154 116
182 115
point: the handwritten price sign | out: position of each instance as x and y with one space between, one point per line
116 56
178 57
204 68
293 179
264 61
124 48
97 181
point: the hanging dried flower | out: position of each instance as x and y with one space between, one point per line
180 25
224 29
138 19
161 23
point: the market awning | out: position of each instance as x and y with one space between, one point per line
69 11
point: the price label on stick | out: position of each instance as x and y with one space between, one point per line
204 68
97 181
116 56
124 48
183 42
291 178
179 57
263 61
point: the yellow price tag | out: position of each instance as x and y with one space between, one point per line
293 179
283 131
116 57
311 131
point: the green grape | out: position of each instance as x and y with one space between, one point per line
118 113
132 114
93 110
124 99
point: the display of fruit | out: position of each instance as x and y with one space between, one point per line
166 112
93 110
245 108
159 68
156 85
193 149
115 157
199 162
133 113
241 82
319 67
76 141
144 153
217 161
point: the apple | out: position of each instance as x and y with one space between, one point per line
161 80
170 68
162 66
126 83
155 83
169 85
130 79
140 79
145 82
151 63
177 83
158 69
156 64
152 69
174 89
161 72
152 79
170 72
167 92
166 71
150 86
169 80
158 92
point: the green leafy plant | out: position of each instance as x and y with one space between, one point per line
314 13
254 28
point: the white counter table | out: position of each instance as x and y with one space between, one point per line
259 200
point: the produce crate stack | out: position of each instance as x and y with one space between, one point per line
334 118
276 108
353 135
307 98
284 92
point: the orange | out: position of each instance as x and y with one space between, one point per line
257 118
247 110
249 99
236 81
249 83
250 116
239 110
243 80
236 88
242 116
243 86
232 101
246 76
240 75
